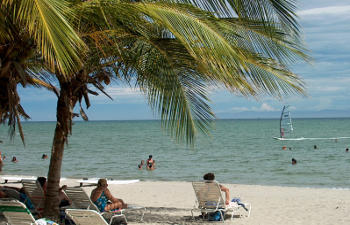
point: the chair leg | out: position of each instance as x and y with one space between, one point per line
222 216
250 209
115 216
143 214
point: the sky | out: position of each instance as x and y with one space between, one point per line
326 32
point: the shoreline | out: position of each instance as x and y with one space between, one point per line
171 203
72 179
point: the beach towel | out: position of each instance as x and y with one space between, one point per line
24 198
238 201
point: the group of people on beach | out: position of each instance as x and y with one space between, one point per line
101 196
19 193
150 163
105 201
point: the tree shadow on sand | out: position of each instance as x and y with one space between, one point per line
162 215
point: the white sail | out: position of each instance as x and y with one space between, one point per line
286 129
286 126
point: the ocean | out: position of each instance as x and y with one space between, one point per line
237 151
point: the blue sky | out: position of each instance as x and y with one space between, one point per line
326 31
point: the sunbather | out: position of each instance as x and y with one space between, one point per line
62 197
101 195
43 183
9 192
210 177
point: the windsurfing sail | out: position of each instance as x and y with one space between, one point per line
286 129
286 126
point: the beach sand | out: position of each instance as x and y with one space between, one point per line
171 203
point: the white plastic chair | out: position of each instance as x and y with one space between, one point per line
80 200
86 217
210 200
16 212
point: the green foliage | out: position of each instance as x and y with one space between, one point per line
174 52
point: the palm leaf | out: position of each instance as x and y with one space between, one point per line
45 21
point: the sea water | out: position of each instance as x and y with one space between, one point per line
237 151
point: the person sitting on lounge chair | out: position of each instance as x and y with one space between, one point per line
210 177
62 197
101 195
9 192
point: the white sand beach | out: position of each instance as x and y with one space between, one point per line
171 203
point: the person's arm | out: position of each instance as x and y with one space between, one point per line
65 197
227 194
95 194
110 196
14 188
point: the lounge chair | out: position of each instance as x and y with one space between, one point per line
93 181
210 200
86 217
35 193
80 200
16 212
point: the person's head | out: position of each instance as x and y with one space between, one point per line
42 182
102 183
63 188
315 146
150 157
209 176
44 156
347 149
14 159
294 161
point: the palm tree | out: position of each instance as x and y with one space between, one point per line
32 34
172 52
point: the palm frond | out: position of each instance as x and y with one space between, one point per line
45 21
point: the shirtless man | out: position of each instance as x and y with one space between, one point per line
210 177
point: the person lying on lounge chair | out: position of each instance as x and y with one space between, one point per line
101 195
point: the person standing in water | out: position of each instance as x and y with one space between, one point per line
150 163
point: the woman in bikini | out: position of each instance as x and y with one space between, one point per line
101 195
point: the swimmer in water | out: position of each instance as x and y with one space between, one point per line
141 164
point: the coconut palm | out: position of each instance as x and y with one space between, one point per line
173 52
32 34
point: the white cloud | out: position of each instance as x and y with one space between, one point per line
123 92
332 10
119 95
327 86
264 108
239 109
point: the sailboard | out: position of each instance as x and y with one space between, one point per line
287 131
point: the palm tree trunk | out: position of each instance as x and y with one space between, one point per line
63 125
